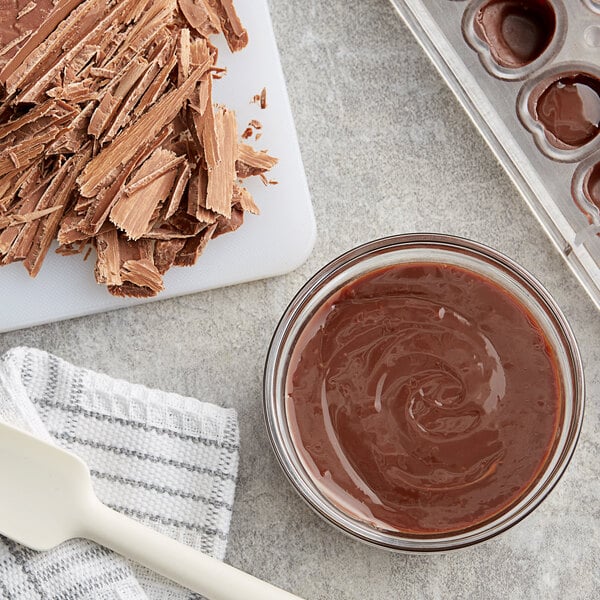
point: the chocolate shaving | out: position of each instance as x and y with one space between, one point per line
200 16
244 198
196 198
250 162
260 99
263 98
165 253
221 164
109 139
148 188
27 218
230 224
235 34
59 194
103 168
194 247
108 264
183 56
144 275
39 24
253 126
178 190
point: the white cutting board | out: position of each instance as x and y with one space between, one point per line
275 242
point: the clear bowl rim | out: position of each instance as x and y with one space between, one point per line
425 544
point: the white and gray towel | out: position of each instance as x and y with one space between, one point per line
168 461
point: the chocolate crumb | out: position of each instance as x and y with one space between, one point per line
249 131
263 98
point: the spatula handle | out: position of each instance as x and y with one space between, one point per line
192 569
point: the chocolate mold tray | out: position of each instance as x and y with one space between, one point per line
517 93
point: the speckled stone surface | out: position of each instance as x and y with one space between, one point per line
387 150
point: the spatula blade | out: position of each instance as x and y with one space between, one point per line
46 497
44 490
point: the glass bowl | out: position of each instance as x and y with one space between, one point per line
420 248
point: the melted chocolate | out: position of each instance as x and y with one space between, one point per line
569 109
517 32
591 185
423 399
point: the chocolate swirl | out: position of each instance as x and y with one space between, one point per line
402 398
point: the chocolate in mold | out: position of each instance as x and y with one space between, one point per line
585 189
591 185
567 105
517 32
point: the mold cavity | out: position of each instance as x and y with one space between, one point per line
517 32
569 110
591 185
592 36
593 5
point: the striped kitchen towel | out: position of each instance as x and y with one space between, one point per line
168 461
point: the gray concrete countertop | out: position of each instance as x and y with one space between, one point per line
387 149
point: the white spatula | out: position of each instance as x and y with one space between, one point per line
46 498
